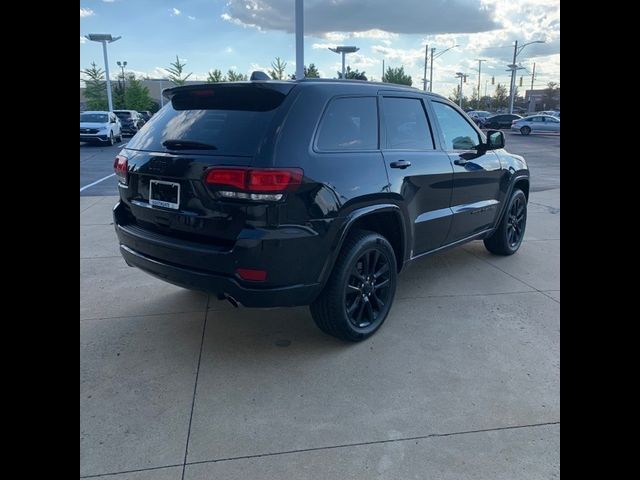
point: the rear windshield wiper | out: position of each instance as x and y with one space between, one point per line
187 145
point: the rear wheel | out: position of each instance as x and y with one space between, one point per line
358 295
507 238
525 131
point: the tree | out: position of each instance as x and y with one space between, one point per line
353 74
397 75
136 95
95 88
455 97
176 71
500 97
215 76
236 77
551 97
278 69
311 72
475 100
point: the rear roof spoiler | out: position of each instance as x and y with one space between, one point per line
258 79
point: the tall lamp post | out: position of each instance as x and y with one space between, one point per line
462 77
432 57
513 68
105 38
122 66
344 50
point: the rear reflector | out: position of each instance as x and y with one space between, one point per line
120 165
255 179
253 275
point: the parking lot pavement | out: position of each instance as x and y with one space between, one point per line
462 381
96 169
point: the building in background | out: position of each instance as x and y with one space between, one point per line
155 86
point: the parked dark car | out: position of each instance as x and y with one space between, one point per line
131 121
146 115
502 120
312 192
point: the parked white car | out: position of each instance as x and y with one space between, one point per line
536 123
102 127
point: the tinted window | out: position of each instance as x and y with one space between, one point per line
349 124
93 117
233 120
406 124
458 133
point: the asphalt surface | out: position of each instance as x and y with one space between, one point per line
542 152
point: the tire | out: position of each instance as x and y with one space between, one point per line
112 140
507 237
350 286
525 131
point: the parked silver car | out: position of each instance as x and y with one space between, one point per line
536 123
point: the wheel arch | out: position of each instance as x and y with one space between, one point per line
385 219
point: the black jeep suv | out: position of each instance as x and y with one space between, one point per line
311 192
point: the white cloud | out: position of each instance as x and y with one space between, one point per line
86 12
228 50
405 16
175 12
191 17
108 1
82 39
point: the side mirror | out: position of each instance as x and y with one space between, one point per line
495 140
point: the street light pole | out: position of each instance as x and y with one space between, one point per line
344 50
122 65
479 73
431 71
513 67
300 40
462 77
426 60
439 55
533 76
513 77
105 38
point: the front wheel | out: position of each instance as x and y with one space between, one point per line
525 131
507 237
358 295
112 140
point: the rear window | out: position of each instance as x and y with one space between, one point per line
349 123
231 120
123 114
93 117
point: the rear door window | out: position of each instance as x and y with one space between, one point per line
349 123
406 124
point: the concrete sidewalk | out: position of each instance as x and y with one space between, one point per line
462 381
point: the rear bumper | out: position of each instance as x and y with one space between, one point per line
189 265
94 138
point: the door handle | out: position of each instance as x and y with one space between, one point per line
400 164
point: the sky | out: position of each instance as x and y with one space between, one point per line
246 35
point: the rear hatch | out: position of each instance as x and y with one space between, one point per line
202 126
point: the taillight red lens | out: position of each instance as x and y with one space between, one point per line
233 177
256 179
121 166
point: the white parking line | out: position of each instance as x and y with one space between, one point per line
96 182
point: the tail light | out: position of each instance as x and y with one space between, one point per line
253 183
121 167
